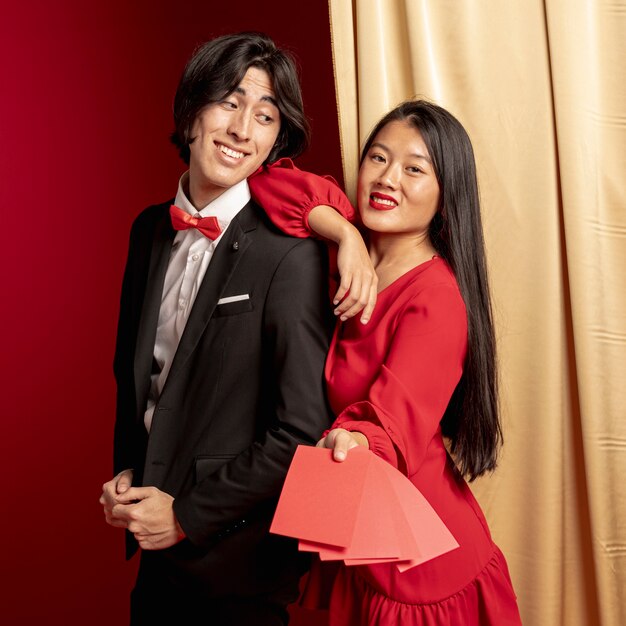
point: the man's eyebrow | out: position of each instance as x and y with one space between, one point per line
417 155
242 91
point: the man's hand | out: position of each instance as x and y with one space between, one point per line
149 515
341 440
110 490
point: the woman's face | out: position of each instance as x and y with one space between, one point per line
398 191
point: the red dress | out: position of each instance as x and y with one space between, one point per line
391 380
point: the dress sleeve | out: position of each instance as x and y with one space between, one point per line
413 386
287 194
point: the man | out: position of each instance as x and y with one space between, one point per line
222 337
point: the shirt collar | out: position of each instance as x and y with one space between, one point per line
224 207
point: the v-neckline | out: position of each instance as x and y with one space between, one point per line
422 266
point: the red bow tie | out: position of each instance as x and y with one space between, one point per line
208 226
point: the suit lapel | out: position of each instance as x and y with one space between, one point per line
229 251
144 353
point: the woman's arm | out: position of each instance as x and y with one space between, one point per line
407 398
358 286
303 204
288 194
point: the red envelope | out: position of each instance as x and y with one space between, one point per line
432 535
366 512
320 498
379 532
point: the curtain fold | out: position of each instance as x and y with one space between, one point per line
540 87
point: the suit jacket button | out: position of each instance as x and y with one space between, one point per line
236 246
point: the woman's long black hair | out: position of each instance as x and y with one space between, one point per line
471 420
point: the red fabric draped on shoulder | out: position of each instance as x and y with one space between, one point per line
287 194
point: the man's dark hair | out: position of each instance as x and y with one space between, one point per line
215 71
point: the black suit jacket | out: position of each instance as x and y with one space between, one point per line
245 388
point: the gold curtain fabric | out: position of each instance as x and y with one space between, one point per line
541 88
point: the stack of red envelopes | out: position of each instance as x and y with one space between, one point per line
362 511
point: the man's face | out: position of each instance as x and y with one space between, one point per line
232 137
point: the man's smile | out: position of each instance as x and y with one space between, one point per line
231 152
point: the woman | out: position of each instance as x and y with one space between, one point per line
421 369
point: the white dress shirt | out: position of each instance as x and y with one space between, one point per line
189 259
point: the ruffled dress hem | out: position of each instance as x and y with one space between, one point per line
488 600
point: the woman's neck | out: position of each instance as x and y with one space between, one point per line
388 249
394 254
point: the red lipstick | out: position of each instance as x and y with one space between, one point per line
388 203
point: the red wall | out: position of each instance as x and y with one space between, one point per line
85 117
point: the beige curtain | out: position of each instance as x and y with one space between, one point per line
541 88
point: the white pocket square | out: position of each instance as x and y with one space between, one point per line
243 296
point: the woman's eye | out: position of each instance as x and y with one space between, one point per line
414 170
267 119
378 158
228 104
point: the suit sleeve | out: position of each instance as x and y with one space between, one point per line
287 194
296 331
126 434
407 399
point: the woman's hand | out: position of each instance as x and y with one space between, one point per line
341 440
359 284
358 288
